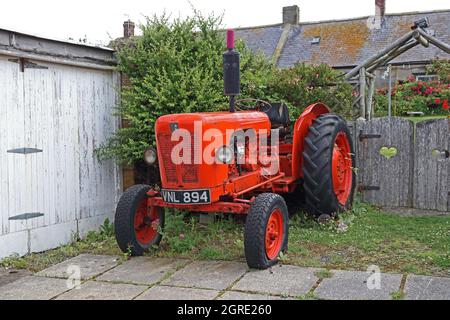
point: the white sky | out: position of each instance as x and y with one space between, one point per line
100 20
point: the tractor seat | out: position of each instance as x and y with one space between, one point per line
278 115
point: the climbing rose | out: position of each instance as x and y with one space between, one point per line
445 105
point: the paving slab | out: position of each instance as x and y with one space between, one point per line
238 296
11 275
427 288
177 293
143 270
90 266
217 275
33 288
93 290
352 285
280 280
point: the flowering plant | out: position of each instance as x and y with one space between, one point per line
431 98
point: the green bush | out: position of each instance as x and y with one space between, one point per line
441 68
305 84
176 67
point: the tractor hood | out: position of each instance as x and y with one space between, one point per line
217 120
200 175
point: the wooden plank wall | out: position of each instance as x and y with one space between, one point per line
432 171
67 112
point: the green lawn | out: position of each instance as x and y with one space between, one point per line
394 243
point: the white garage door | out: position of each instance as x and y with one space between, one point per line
53 117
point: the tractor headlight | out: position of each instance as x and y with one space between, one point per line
150 156
224 155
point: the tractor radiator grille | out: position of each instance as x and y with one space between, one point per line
188 172
165 144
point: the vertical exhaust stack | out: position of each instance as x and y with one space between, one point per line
231 71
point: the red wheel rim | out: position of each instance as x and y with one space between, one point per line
274 234
146 223
342 168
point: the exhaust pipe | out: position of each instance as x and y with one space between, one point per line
231 71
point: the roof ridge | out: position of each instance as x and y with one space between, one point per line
408 13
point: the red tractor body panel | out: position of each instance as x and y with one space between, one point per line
197 174
216 177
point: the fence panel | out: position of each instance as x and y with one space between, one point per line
385 162
432 165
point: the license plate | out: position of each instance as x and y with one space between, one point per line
186 196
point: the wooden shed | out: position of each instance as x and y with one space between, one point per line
57 102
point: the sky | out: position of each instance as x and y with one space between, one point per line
101 20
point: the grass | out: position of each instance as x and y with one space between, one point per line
394 243
95 243
324 274
398 295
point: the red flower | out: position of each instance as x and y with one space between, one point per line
445 105
437 101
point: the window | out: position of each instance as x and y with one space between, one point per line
426 77
315 40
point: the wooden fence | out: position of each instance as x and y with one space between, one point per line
402 165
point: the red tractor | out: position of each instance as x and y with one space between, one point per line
314 160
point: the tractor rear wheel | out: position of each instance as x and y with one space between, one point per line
137 226
328 162
266 231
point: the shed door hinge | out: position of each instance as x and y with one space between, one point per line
25 64
26 216
24 150
369 188
368 136
32 65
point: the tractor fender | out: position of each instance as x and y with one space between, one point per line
301 129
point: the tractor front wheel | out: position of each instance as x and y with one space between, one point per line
137 225
266 231
328 162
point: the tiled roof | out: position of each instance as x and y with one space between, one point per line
263 39
347 42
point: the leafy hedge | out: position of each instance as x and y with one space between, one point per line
176 67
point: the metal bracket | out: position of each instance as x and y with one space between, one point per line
25 64
27 216
369 188
32 65
25 150
368 136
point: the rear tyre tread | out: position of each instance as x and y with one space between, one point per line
320 198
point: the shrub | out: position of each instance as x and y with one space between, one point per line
305 84
176 67
441 68
431 98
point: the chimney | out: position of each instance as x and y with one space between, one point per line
291 15
380 8
128 29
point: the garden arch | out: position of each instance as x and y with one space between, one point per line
363 76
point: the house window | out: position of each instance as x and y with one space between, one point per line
426 77
315 40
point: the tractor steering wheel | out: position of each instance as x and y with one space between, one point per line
253 105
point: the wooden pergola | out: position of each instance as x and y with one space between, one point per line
363 76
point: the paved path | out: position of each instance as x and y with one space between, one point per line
144 278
